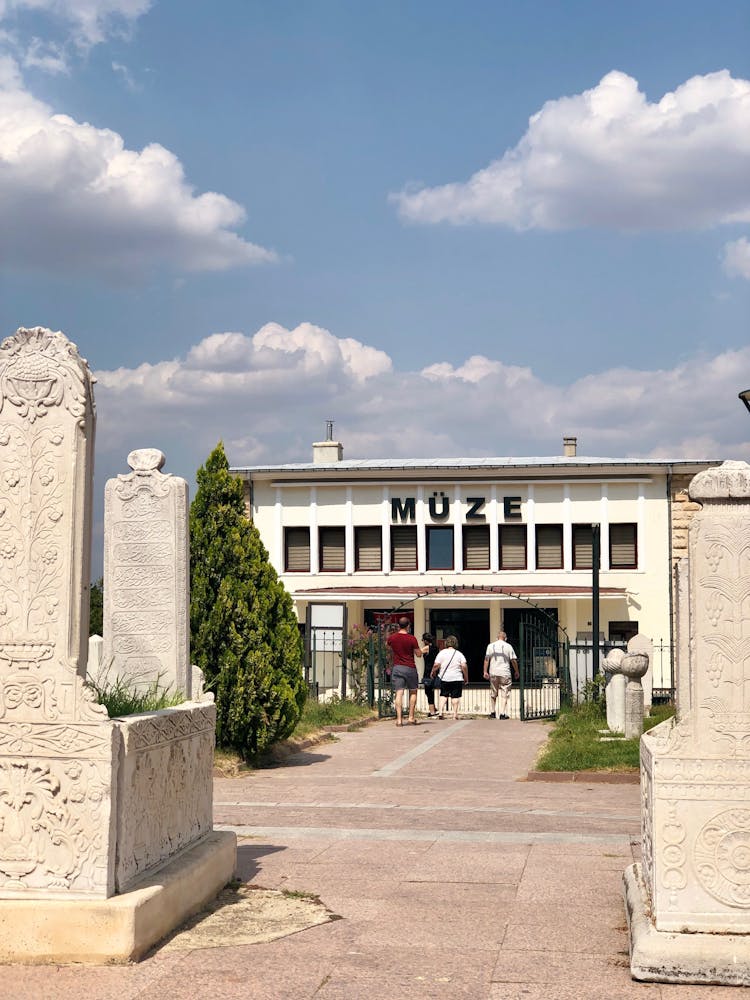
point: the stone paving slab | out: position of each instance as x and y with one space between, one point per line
452 874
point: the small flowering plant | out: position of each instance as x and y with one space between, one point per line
358 646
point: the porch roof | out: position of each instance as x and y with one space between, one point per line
451 593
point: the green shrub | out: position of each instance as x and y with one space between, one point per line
244 633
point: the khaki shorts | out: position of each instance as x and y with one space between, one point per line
500 682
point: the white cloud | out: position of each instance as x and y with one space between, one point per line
73 197
267 397
47 56
89 21
737 258
608 158
124 73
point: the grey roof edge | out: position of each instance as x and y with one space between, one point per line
449 464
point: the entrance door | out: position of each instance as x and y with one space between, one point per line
543 660
472 629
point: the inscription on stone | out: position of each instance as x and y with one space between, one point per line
146 576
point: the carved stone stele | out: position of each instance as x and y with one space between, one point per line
56 745
146 576
695 770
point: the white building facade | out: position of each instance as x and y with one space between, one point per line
467 546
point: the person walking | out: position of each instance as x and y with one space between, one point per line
427 679
451 667
499 660
404 676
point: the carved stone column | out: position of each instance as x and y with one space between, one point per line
56 747
689 901
147 576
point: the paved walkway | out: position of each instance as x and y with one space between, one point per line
453 876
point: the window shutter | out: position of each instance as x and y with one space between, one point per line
298 550
477 547
583 546
549 553
368 546
404 547
332 550
622 546
513 546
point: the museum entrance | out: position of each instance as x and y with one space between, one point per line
472 629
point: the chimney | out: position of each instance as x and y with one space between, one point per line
325 452
570 445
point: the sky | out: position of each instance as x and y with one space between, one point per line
454 229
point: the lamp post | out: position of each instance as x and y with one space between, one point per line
745 397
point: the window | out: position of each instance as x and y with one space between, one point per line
512 546
439 548
622 632
332 550
623 549
549 546
477 546
403 547
297 550
368 549
583 546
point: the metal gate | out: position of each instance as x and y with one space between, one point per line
544 665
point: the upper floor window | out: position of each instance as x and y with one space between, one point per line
512 547
368 550
403 546
583 546
440 548
297 550
549 546
623 546
476 541
332 544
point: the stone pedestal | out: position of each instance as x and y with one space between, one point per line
694 883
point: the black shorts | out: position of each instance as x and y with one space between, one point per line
451 689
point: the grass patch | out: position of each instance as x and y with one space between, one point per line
319 714
120 696
574 743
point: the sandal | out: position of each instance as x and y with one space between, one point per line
414 722
399 723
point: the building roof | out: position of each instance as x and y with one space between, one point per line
578 465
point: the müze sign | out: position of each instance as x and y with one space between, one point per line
405 509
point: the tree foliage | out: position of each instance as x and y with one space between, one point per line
96 607
244 631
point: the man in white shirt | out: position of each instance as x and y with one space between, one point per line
499 659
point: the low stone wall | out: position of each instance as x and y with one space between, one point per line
164 787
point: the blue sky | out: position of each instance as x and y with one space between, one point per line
456 229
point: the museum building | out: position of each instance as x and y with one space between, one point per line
469 545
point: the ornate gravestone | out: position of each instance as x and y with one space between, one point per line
689 901
146 586
56 747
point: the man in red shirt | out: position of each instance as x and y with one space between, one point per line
404 676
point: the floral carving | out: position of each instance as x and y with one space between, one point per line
30 533
39 370
722 857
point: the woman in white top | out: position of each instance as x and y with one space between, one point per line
451 667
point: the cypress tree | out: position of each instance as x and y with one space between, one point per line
243 628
